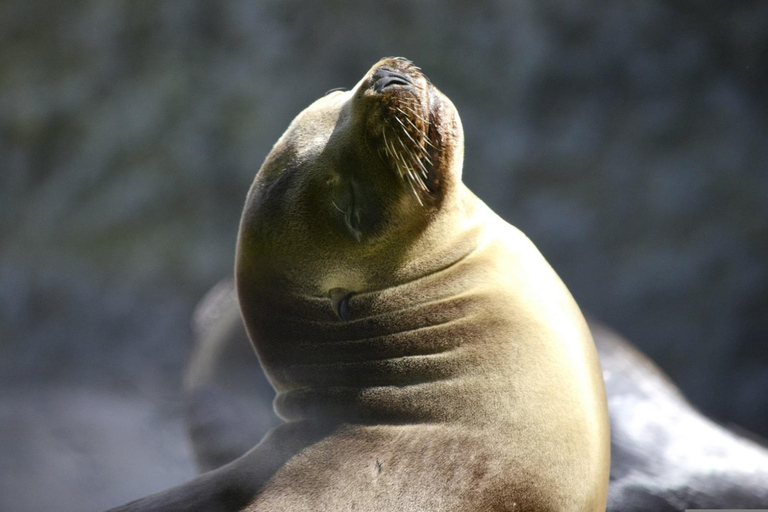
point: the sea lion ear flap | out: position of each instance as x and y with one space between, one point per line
352 222
340 299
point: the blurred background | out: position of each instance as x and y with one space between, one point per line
628 140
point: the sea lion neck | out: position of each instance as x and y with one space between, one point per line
382 363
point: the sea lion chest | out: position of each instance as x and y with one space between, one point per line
448 391
422 467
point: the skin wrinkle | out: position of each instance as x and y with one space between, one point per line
377 346
399 371
302 313
421 315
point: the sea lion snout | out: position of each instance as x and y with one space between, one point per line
385 77
394 75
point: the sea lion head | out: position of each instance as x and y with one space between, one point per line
356 176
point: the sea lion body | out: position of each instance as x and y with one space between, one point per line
424 354
455 392
665 455
458 373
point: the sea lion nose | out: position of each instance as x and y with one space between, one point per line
387 77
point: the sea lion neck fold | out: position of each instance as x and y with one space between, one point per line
388 346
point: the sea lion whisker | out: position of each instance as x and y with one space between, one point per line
415 114
425 155
423 169
405 130
425 137
337 206
413 175
407 118
411 178
407 113
402 158
393 154
417 195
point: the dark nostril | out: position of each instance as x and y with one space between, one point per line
386 77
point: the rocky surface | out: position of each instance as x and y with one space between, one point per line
628 141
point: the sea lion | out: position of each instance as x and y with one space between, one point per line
228 399
666 456
425 355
